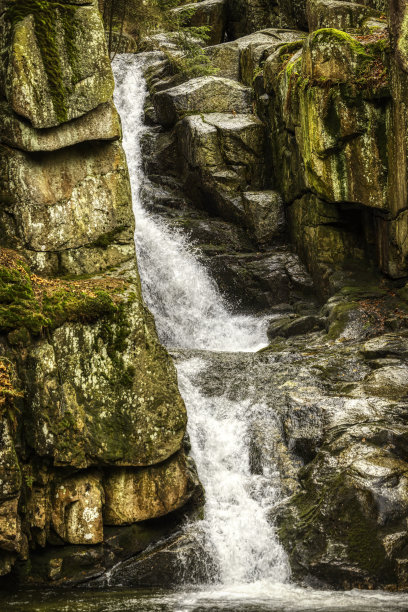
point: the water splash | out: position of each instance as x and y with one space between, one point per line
191 313
188 308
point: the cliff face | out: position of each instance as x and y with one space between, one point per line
92 423
288 169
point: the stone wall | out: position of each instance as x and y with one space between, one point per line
92 423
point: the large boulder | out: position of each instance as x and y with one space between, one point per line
338 14
222 156
147 493
202 95
46 62
209 13
346 525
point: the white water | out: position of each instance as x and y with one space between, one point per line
190 313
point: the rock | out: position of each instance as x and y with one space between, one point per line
294 327
53 85
389 381
387 345
326 237
11 538
225 59
202 95
146 493
333 55
264 215
338 14
66 199
114 402
77 509
259 46
348 512
209 13
178 560
102 123
222 156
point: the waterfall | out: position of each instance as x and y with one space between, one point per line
190 313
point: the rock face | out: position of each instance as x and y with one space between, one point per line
298 207
91 420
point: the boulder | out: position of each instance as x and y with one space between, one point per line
113 402
256 48
49 79
102 123
178 560
65 199
351 510
222 156
138 495
209 13
208 94
225 59
338 14
76 512
264 215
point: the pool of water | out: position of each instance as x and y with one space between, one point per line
256 597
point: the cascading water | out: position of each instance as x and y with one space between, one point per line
190 313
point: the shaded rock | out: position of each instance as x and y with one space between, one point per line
202 95
264 215
210 13
77 509
11 537
178 560
294 327
138 495
102 123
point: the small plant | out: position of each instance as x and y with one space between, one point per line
8 392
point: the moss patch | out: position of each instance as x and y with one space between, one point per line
31 303
46 16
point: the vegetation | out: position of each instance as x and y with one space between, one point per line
141 19
30 304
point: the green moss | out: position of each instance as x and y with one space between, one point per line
341 316
330 34
30 304
106 239
46 17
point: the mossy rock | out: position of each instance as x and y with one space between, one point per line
59 67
